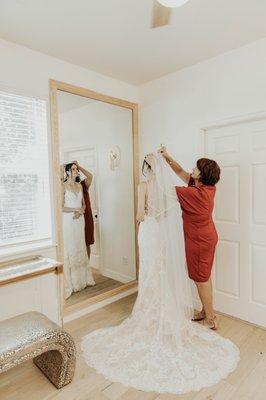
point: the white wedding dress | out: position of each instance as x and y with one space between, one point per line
158 348
77 271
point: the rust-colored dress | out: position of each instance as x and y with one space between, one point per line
199 230
89 224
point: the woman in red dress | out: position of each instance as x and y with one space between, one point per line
197 201
89 223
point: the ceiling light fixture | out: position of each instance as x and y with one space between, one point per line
172 3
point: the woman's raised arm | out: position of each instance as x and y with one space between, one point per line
178 170
87 174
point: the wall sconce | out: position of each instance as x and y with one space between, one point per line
115 157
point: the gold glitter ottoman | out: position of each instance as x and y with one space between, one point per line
33 336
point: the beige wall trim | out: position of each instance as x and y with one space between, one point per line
95 299
96 306
66 87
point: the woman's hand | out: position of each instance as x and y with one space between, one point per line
139 222
76 215
85 172
139 218
78 212
178 170
162 150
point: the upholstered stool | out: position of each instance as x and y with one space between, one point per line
33 336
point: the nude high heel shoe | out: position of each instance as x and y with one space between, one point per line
199 316
211 323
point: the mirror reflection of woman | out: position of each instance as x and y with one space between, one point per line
89 223
77 271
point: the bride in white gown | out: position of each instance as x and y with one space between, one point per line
77 271
158 348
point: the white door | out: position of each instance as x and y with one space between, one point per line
240 217
87 158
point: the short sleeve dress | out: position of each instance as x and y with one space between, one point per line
199 230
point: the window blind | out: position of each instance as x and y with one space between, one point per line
25 214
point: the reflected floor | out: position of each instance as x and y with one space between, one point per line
103 284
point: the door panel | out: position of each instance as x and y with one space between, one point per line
240 217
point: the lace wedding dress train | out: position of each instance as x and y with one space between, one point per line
158 348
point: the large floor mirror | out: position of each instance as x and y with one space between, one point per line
95 153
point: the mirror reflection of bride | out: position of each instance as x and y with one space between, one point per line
77 271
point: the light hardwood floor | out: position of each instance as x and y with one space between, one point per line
103 284
247 382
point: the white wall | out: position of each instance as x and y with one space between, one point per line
105 126
39 293
28 72
175 107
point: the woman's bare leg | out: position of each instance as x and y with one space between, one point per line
205 294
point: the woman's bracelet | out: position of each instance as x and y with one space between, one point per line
170 162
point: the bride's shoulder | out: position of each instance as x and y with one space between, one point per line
66 186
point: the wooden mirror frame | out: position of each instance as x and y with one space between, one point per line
56 86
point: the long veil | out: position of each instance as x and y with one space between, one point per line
175 285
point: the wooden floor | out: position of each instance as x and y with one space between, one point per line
247 382
103 284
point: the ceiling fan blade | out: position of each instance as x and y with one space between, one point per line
160 15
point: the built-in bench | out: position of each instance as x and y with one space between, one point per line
33 336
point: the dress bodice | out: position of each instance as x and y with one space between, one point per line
73 200
152 208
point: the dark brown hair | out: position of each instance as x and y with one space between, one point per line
68 168
145 167
209 171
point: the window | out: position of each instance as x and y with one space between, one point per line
25 214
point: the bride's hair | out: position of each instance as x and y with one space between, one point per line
68 169
146 168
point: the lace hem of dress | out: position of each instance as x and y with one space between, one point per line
202 361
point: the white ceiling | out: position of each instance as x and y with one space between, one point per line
113 37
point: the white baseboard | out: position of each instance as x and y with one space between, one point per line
116 275
94 261
100 304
